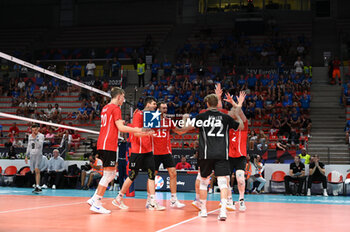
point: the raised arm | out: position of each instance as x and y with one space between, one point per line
218 92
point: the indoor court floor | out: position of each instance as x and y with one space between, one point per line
66 210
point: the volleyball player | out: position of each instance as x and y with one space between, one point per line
163 153
238 152
107 145
213 150
35 152
141 158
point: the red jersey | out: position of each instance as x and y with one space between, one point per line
142 144
108 138
181 166
161 140
238 142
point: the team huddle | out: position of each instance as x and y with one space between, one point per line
221 152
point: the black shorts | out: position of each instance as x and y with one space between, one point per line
238 163
142 161
167 161
220 167
109 158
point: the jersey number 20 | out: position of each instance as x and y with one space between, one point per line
103 120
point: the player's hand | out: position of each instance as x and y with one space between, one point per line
218 90
185 117
26 160
230 100
241 98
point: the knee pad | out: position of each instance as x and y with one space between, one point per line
222 182
107 177
204 182
151 174
133 174
199 176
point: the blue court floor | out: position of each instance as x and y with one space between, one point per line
272 198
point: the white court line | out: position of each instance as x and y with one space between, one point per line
41 207
183 222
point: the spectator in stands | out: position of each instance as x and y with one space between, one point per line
285 126
76 70
17 143
94 173
23 72
55 169
296 174
140 104
13 130
21 86
141 72
317 172
183 165
262 141
15 96
257 169
155 68
280 65
299 65
115 67
49 112
43 92
67 70
295 118
1 131
57 114
252 138
167 67
52 68
90 68
306 124
81 114
293 138
95 105
23 107
52 91
50 137
76 138
107 69
281 143
89 112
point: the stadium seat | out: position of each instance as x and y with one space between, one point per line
171 137
0 170
339 179
346 184
277 177
188 137
256 124
273 138
10 171
23 171
178 137
195 137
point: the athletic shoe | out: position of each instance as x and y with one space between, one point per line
197 205
210 190
33 185
325 194
308 192
119 203
222 215
99 209
44 186
335 193
90 201
53 186
37 190
156 206
176 204
230 206
203 213
242 206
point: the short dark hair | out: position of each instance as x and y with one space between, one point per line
149 99
35 125
115 91
159 103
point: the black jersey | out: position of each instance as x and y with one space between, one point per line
214 134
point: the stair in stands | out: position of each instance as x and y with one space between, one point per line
328 122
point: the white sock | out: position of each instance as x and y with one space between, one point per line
197 197
97 199
223 203
120 195
152 199
229 199
173 197
38 186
